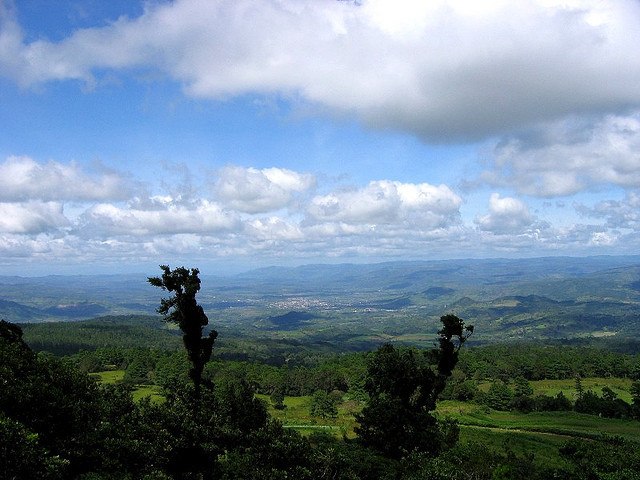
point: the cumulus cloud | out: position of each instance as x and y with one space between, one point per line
273 228
506 216
385 202
570 156
22 178
443 70
258 191
606 239
204 218
31 217
24 247
617 213
249 217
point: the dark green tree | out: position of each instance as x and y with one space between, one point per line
21 456
464 391
138 369
403 387
499 396
610 458
183 310
522 387
56 422
323 405
277 399
172 371
579 388
589 403
635 397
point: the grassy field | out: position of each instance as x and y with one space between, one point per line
139 392
151 391
621 386
109 376
296 415
565 424
537 433
543 446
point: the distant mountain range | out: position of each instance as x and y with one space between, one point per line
537 298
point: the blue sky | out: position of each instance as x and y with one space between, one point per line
233 134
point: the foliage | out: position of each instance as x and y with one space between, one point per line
277 399
183 310
522 387
56 423
349 460
83 427
403 389
476 461
323 405
609 405
172 371
22 456
635 395
535 361
602 459
108 335
499 396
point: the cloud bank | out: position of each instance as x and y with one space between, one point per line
383 219
442 70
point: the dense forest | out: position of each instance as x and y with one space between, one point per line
58 422
217 413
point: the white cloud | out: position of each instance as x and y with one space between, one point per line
617 213
570 156
443 70
603 239
251 190
28 247
506 216
31 217
273 228
205 218
383 219
22 178
384 202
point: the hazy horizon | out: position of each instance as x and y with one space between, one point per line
230 269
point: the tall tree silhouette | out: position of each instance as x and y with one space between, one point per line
403 388
183 310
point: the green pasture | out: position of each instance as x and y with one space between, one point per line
296 415
138 393
152 391
543 446
537 433
542 427
567 424
109 376
621 386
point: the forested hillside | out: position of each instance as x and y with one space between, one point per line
153 438
299 386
